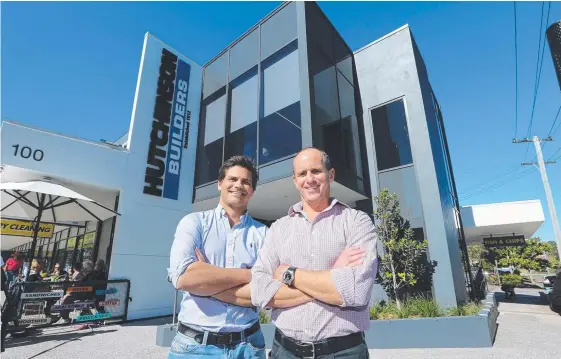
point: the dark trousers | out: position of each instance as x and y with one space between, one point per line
358 352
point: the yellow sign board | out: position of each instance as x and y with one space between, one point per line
71 244
89 239
14 227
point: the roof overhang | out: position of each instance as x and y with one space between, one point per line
501 219
272 200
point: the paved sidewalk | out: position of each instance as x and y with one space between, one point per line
527 330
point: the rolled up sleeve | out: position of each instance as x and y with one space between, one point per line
263 286
355 283
187 236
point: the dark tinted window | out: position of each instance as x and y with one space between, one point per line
279 127
391 136
319 31
211 138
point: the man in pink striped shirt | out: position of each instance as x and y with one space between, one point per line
316 269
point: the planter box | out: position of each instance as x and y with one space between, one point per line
476 331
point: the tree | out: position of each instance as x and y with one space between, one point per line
476 253
554 264
404 266
524 257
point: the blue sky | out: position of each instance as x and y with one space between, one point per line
72 68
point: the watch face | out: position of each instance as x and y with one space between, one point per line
287 276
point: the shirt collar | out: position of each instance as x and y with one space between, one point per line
221 212
298 208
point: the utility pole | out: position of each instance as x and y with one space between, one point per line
537 144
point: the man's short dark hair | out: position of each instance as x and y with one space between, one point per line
325 157
241 161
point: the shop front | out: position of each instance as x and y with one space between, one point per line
147 179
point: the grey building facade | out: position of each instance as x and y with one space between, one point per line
290 82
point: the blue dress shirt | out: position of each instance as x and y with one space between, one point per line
223 246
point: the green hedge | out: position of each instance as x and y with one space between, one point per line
421 308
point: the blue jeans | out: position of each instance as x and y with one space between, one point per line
185 347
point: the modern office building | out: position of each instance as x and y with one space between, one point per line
289 82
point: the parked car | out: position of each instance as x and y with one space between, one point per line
548 282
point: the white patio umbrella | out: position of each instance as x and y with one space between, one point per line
43 200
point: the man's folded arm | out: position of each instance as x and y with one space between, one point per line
240 295
267 292
190 275
347 286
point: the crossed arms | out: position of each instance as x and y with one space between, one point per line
262 285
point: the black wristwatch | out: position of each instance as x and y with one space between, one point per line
288 276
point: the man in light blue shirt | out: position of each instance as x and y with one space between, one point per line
211 260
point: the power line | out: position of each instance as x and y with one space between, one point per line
539 64
559 125
486 182
554 121
525 173
555 159
538 72
516 71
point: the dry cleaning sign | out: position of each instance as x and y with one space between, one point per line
170 128
13 227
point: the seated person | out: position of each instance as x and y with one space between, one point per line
35 272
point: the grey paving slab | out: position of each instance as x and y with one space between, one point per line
526 331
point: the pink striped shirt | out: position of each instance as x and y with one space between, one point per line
293 240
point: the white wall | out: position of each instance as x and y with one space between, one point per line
144 233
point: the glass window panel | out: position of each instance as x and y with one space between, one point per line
319 31
215 75
243 101
391 136
344 58
211 138
242 142
244 55
325 106
350 125
281 86
242 136
279 30
215 117
280 132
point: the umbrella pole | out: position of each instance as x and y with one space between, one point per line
31 254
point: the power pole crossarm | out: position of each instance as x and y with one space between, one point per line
535 163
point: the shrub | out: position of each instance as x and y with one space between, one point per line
264 317
423 308
420 308
464 309
511 279
404 267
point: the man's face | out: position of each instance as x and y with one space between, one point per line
236 187
311 178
